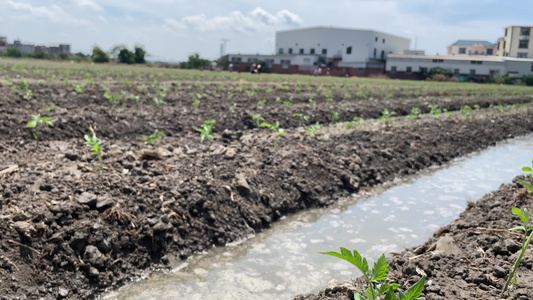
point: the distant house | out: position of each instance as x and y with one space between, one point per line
24 48
3 43
468 47
515 42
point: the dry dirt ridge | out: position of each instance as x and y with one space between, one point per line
468 259
68 232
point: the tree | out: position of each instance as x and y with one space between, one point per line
99 56
223 61
125 56
195 62
140 53
14 52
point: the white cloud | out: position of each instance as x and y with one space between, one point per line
54 13
88 4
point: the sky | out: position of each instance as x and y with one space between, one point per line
171 30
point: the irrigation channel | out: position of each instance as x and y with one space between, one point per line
283 261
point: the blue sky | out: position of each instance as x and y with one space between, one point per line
172 29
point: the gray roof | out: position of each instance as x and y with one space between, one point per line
470 43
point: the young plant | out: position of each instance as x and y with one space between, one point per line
314 129
356 120
303 118
37 124
435 110
258 119
78 88
196 103
113 99
335 116
466 111
206 133
232 108
158 102
375 277
386 116
51 107
525 216
94 143
276 130
261 102
415 112
152 138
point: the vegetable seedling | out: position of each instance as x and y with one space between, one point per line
375 277
386 116
258 119
276 130
525 216
314 129
206 133
303 118
94 143
37 124
196 103
152 138
415 112
335 116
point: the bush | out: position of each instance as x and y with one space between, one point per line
440 71
140 53
503 79
14 52
195 62
99 56
529 80
126 56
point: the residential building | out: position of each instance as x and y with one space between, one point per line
516 42
469 47
24 48
479 68
61 49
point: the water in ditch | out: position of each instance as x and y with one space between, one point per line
283 261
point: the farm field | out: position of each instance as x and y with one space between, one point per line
72 228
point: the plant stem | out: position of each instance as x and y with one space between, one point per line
517 262
101 165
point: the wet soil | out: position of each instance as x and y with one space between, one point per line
71 230
467 259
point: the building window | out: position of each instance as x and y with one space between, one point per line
301 50
524 31
361 69
312 51
476 62
498 45
382 55
472 72
504 43
285 63
438 60
393 69
462 50
324 51
290 50
455 71
423 70
523 44
383 41
349 50
505 31
521 54
408 70
376 38
489 51
280 51
375 52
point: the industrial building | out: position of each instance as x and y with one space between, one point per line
341 50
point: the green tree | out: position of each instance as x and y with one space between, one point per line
99 56
13 52
195 62
529 80
223 61
140 53
125 56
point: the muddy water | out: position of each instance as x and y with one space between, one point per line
283 261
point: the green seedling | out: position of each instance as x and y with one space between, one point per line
152 138
229 95
37 124
78 88
314 129
113 99
329 99
529 171
276 130
158 102
258 119
415 112
435 110
232 108
269 90
23 87
287 103
51 107
386 116
356 120
466 111
376 276
261 102
303 118
94 143
196 103
278 100
206 133
335 116
250 94
525 216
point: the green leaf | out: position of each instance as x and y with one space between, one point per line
379 272
358 296
518 212
384 288
416 289
518 228
390 295
530 228
527 169
368 292
528 185
354 259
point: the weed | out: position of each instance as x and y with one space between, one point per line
37 124
329 99
94 143
229 95
375 276
154 137
78 88
250 94
113 99
206 133
269 90
287 102
23 87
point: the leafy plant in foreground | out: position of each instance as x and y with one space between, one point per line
37 123
94 143
276 130
206 132
158 102
435 110
386 116
415 112
303 118
374 276
258 119
356 120
314 129
466 111
154 137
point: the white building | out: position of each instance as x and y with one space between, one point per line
341 47
471 67
515 42
468 47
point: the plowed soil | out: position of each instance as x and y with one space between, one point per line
71 230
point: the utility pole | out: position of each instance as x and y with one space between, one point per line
223 47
